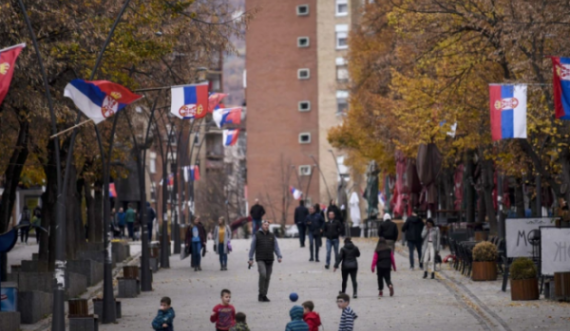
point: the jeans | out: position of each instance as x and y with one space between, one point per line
429 258
302 227
149 229
24 233
131 228
418 246
345 274
332 243
121 231
317 241
223 256
256 226
383 275
265 268
196 253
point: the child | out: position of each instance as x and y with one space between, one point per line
383 259
297 323
224 315
164 319
241 324
348 315
311 318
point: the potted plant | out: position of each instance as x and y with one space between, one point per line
524 284
484 262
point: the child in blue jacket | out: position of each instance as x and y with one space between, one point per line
164 319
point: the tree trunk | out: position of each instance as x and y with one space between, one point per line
519 197
488 185
98 210
79 228
90 203
469 196
70 214
11 180
49 203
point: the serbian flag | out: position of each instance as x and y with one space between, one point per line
230 137
171 180
508 111
195 172
296 193
112 191
214 100
227 116
99 99
190 101
8 57
561 85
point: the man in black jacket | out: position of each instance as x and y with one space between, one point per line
257 211
314 223
301 213
264 245
413 228
389 231
332 230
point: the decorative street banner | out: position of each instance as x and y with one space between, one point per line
8 57
214 100
561 87
555 250
296 193
230 137
508 111
518 233
99 99
227 116
190 101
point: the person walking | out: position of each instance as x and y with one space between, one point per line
430 247
25 222
332 231
194 240
389 231
348 255
314 223
263 246
337 215
301 213
120 220
150 216
130 217
413 229
37 222
222 237
383 260
256 212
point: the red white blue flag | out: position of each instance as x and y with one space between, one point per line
191 173
112 190
296 193
508 111
214 100
227 116
230 137
190 101
561 86
8 57
99 99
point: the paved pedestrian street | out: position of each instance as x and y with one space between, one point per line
452 302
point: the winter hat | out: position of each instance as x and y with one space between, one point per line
387 217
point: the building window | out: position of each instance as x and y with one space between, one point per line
303 73
304 105
305 170
341 7
341 36
341 70
152 163
304 138
302 10
341 102
303 42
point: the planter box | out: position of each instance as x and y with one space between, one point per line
524 289
34 306
484 271
562 286
98 308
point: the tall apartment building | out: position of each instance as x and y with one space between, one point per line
296 91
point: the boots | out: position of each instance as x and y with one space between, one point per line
391 287
380 294
425 274
433 275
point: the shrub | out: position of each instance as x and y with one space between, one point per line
485 252
523 268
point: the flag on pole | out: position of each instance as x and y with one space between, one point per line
508 111
230 137
296 193
191 173
171 180
561 86
8 57
112 190
227 116
214 100
99 99
190 101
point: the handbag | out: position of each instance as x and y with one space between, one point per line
229 246
438 258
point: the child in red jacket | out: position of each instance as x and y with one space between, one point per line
383 259
224 314
310 317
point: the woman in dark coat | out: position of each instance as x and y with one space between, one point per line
348 255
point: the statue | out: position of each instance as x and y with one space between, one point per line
371 193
